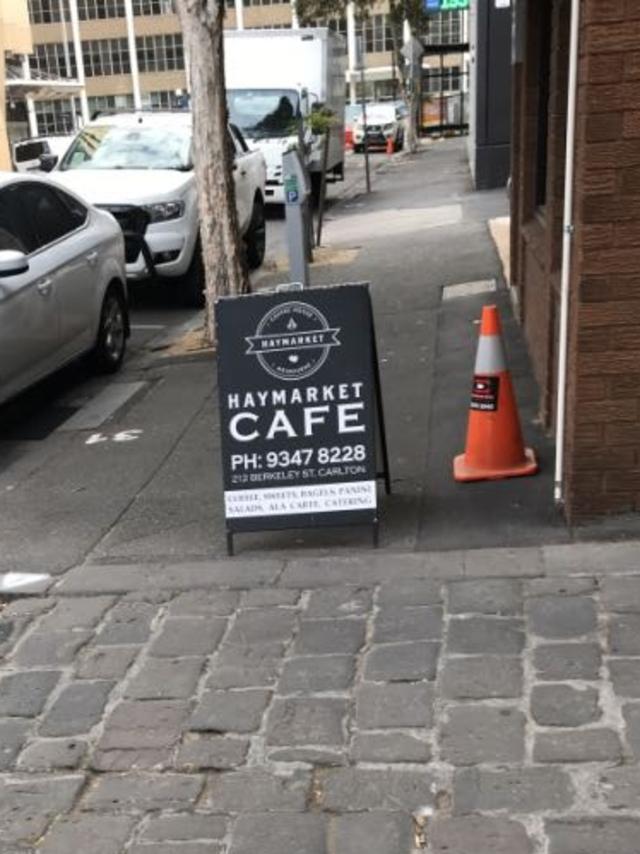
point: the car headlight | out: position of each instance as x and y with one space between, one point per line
163 211
389 128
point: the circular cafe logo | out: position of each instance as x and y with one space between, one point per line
292 341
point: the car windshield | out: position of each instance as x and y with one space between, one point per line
378 115
132 147
261 113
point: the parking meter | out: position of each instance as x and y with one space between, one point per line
297 192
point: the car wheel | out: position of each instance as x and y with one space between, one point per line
111 341
192 283
256 236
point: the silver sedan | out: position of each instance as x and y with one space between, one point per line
62 283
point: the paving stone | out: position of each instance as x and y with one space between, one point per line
300 721
620 788
263 675
230 711
518 790
389 747
106 662
479 677
597 836
588 745
28 805
337 602
357 789
624 634
204 603
396 624
560 661
503 563
183 827
127 622
52 754
83 612
501 596
247 655
50 649
95 833
207 847
257 790
391 705
488 635
29 606
132 760
168 679
563 705
203 751
183 636
270 597
262 625
413 591
477 834
24 694
13 734
77 708
144 724
131 793
476 733
625 676
316 756
330 637
621 594
373 833
279 833
310 674
562 616
402 662
631 713
551 586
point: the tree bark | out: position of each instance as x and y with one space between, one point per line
408 87
222 251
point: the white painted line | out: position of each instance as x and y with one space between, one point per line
13 582
469 289
102 406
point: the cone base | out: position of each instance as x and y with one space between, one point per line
464 473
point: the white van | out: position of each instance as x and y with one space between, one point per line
26 153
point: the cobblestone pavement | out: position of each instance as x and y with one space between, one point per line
318 706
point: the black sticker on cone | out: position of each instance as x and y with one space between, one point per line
484 394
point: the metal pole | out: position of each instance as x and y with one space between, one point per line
352 51
77 49
133 54
65 39
31 107
567 247
364 125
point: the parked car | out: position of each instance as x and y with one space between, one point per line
138 166
26 153
384 122
62 283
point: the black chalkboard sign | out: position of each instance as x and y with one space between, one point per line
300 403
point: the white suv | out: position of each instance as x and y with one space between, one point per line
138 166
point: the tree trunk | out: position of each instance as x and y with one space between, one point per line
408 86
222 250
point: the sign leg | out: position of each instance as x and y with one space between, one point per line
380 410
229 544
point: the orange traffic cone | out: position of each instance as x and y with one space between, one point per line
494 448
390 145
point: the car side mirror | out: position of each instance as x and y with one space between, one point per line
12 263
48 162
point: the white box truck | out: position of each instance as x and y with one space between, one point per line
274 79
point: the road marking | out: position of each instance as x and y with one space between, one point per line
101 407
24 581
121 436
138 326
469 289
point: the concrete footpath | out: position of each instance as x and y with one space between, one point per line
481 702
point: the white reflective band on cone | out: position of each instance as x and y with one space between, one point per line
490 358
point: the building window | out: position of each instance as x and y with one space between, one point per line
160 53
153 7
46 11
435 82
165 99
109 103
51 60
262 2
377 34
444 28
543 9
55 117
103 57
94 10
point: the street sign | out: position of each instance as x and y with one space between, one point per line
434 6
299 403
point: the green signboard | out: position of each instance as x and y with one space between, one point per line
445 5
